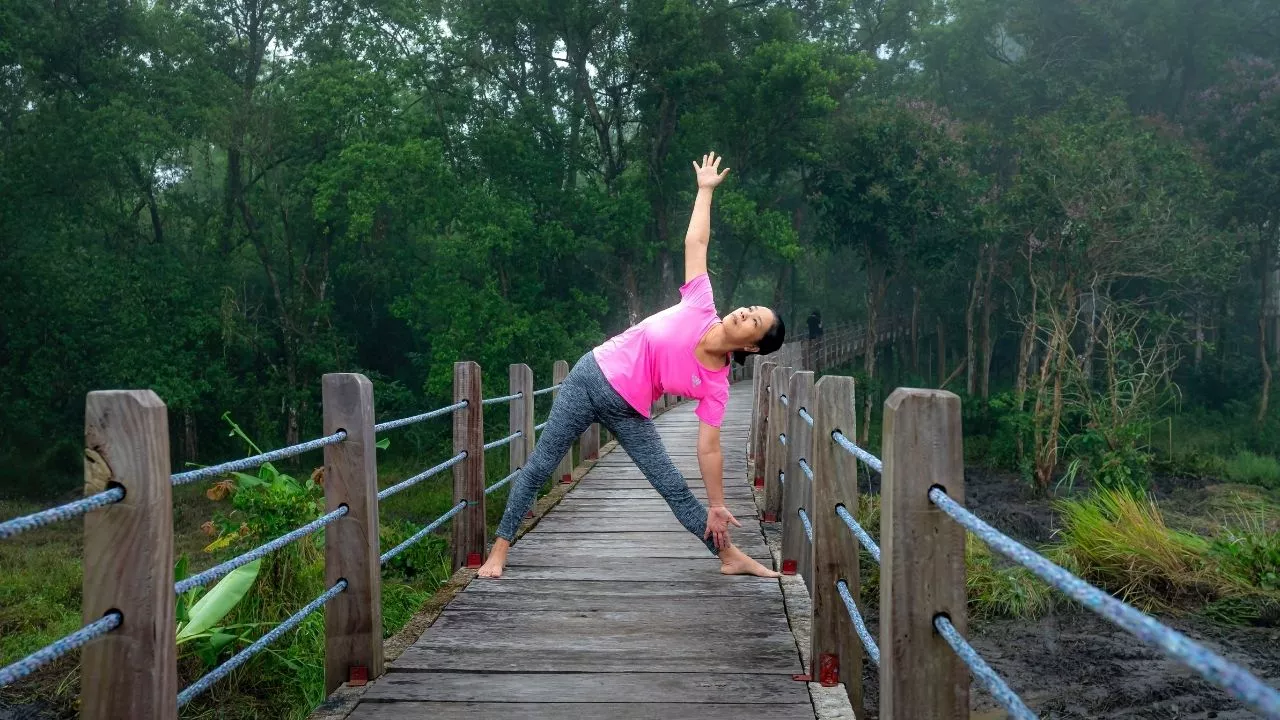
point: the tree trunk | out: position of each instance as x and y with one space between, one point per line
942 350
970 336
1264 302
915 330
987 341
877 287
1029 327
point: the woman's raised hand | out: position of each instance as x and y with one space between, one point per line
708 172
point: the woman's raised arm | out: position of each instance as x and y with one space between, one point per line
699 234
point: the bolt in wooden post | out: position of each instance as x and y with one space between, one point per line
564 471
922 570
798 492
760 416
132 672
468 475
776 452
353 618
834 647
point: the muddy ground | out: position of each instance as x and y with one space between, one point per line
1071 664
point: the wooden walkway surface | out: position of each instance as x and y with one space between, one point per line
609 609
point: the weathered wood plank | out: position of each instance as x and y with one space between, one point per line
669 570
468 526
599 652
750 605
694 590
736 688
581 711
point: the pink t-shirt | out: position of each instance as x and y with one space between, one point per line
657 356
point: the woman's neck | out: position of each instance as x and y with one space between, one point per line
712 351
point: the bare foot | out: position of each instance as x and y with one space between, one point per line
735 562
492 568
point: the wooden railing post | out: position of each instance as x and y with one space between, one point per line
922 573
468 475
835 649
797 551
132 672
560 371
353 618
775 451
760 416
520 414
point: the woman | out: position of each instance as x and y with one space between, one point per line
683 350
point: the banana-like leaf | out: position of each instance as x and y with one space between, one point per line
219 601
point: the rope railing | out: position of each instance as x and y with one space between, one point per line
782 438
859 625
546 390
221 569
806 417
254 461
995 684
863 537
804 468
783 399
502 399
1237 681
10 674
66 511
194 690
494 487
429 472
808 526
503 441
416 537
867 458
393 424
540 426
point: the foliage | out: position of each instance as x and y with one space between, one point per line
999 589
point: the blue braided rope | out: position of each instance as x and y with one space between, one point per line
546 390
194 690
56 649
867 458
868 642
502 482
805 416
503 441
539 426
74 509
995 684
1237 681
406 484
783 399
859 532
254 461
804 468
808 526
502 399
782 478
217 571
782 438
393 424
462 504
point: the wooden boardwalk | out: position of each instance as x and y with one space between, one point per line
609 609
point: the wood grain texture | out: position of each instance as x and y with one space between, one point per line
835 554
759 412
922 569
520 415
693 688
775 451
583 711
353 618
798 491
468 475
132 672
564 471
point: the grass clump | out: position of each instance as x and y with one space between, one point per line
1252 469
999 589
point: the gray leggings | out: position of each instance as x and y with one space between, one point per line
587 397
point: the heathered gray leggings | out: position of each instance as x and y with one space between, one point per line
587 397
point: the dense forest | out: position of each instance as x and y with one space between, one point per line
1072 208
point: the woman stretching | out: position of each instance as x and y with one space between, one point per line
683 350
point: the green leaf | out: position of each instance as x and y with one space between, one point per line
384 443
219 601
247 480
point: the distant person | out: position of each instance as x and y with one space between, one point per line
684 350
815 325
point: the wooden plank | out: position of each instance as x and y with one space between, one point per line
740 605
353 618
775 451
759 415
538 547
695 590
732 688
132 672
634 493
520 415
468 475
669 570
649 522
597 629
742 509
564 471
795 493
580 711
922 554
835 651
604 652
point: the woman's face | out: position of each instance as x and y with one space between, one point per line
745 326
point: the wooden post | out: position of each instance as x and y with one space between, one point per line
796 495
760 417
353 618
922 571
775 453
520 415
468 475
560 371
835 648
132 672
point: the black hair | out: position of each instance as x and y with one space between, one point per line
771 341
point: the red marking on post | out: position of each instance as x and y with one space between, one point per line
566 479
474 560
788 567
359 676
528 515
802 678
829 670
771 517
759 481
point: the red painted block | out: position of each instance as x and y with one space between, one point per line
829 670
